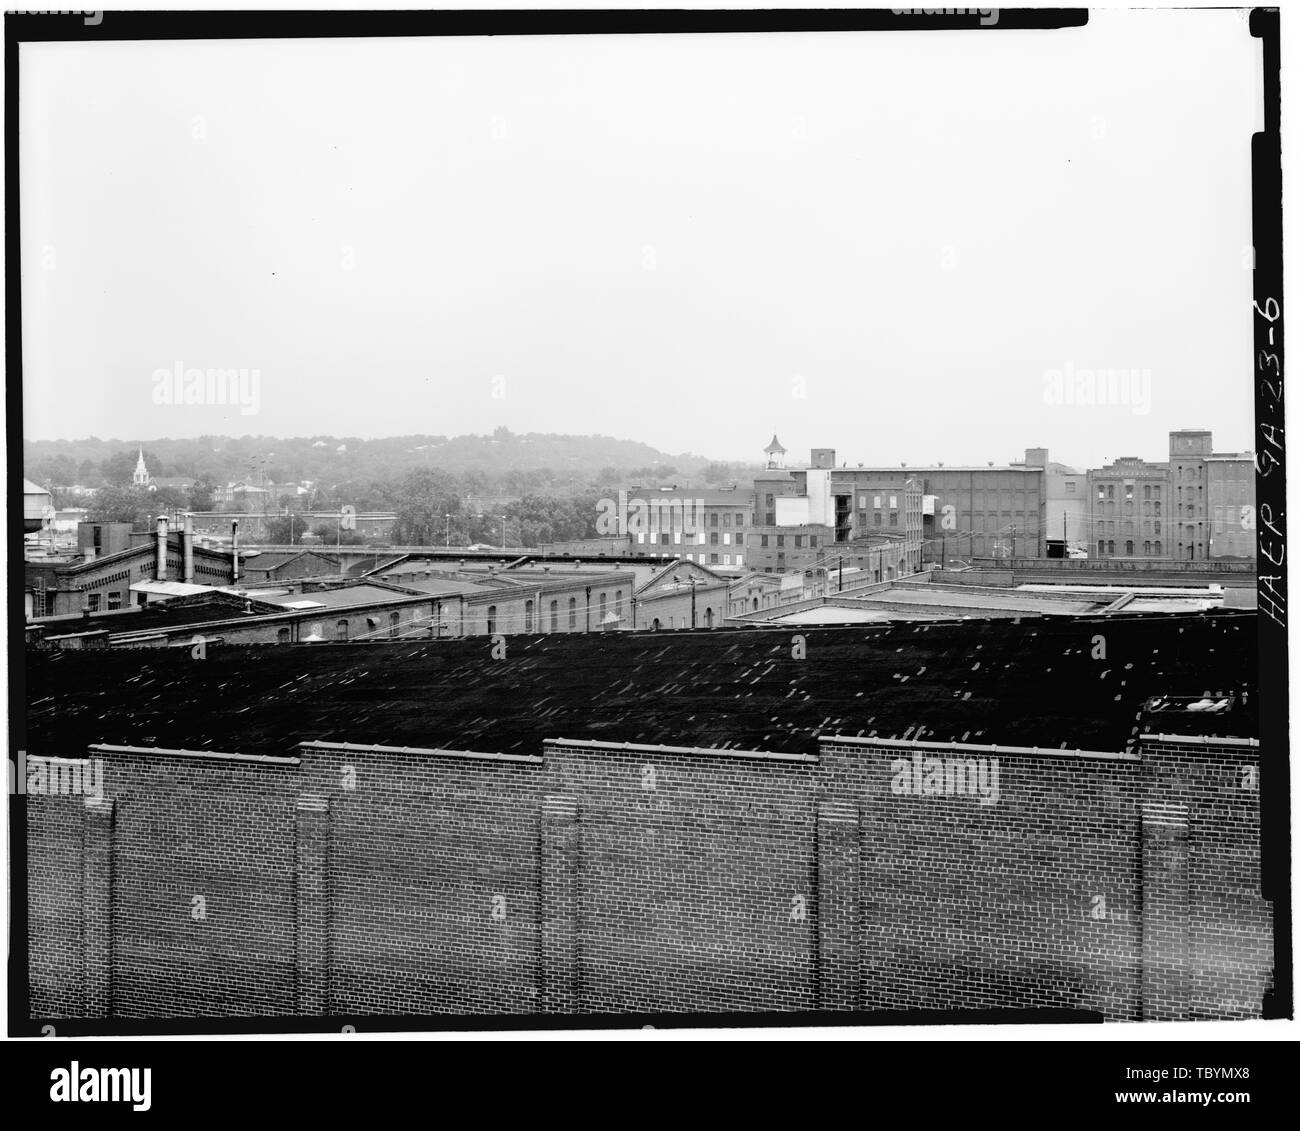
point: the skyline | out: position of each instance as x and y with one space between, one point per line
800 233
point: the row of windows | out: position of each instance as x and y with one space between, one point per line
799 539
1107 548
1149 490
662 515
675 538
1110 527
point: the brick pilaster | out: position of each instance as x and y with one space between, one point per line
1165 974
839 906
97 907
559 904
312 905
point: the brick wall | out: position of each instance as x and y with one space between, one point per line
617 878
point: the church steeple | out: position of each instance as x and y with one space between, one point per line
140 477
775 454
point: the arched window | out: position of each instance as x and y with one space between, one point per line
341 630
528 616
755 604
1101 548
1128 547
618 603
492 620
1160 548
603 603
1146 549
394 619
708 618
282 637
573 613
1110 546
555 616
655 625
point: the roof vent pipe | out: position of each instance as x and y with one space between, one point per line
160 572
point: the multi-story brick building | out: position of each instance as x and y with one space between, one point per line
1195 506
1230 502
711 526
950 511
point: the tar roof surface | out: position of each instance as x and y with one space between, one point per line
1023 683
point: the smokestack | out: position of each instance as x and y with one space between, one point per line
234 550
161 572
187 545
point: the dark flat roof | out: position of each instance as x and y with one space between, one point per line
1030 682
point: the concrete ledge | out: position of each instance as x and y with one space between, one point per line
1117 756
479 755
1200 740
712 751
215 755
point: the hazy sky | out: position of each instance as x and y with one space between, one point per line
882 243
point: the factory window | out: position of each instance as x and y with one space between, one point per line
555 616
282 637
341 630
492 620
528 616
115 599
573 613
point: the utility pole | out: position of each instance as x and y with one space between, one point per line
692 602
503 532
449 530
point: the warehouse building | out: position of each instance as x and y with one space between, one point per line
1057 815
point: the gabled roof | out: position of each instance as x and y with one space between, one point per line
683 570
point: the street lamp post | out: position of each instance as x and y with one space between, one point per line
503 532
448 529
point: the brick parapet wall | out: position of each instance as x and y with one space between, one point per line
617 878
